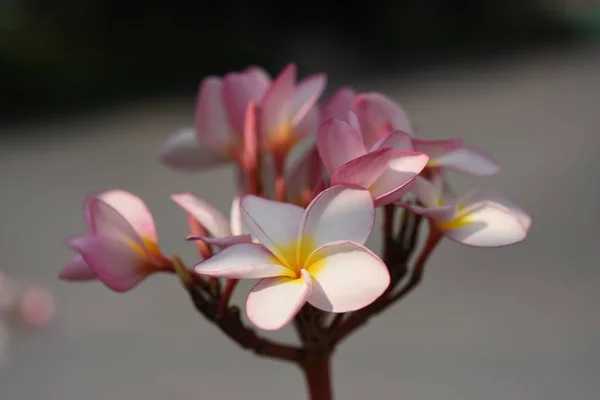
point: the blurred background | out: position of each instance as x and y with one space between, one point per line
89 89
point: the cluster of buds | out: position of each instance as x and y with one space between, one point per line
299 229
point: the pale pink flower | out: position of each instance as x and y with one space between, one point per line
480 218
450 154
339 105
385 172
36 306
314 255
288 112
221 112
223 232
121 247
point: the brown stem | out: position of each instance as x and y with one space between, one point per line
317 372
225 296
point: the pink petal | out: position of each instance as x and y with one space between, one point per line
339 104
222 241
243 261
182 151
212 122
396 140
401 170
261 78
338 143
346 277
77 270
437 148
378 115
249 160
305 96
473 199
277 104
212 219
274 302
239 89
468 160
489 225
363 171
118 265
304 176
104 220
37 306
337 213
273 224
308 125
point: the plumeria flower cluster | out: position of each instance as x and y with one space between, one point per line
299 229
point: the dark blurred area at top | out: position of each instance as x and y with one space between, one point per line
71 54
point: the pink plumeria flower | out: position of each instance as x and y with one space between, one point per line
221 111
288 111
379 115
121 247
223 232
339 105
385 172
36 306
450 154
314 255
479 219
304 178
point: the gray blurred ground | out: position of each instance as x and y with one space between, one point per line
514 323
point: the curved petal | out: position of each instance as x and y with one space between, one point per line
277 103
274 302
468 160
209 217
105 220
212 122
363 171
377 114
305 96
239 88
437 148
338 143
400 171
396 140
182 151
235 218
429 194
222 242
133 210
337 213
77 270
118 265
307 125
339 104
273 224
489 225
472 200
346 277
242 261
305 176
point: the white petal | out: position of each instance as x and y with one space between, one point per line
346 277
183 151
274 224
209 217
338 213
469 161
489 225
274 302
243 261
401 170
427 193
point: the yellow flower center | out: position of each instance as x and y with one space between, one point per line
294 257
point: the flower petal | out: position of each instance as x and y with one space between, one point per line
274 302
235 218
339 104
337 213
120 266
400 171
428 193
489 225
306 94
182 151
239 88
212 219
437 148
222 242
338 143
346 277
308 125
363 171
242 261
304 176
277 103
377 114
472 200
468 160
77 270
104 220
397 140
274 224
212 122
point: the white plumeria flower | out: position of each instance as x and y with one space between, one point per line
223 232
479 218
314 255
